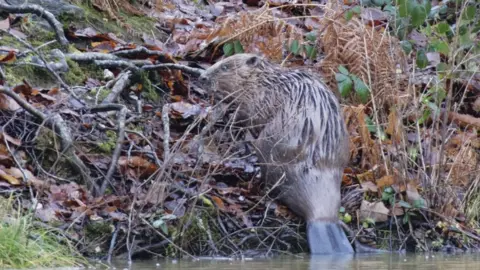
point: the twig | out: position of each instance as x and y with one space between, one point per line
91 56
122 115
141 49
42 13
112 244
115 64
59 126
186 69
166 131
22 54
121 84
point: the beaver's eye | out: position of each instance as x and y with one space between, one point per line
224 67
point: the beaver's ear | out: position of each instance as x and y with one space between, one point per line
253 61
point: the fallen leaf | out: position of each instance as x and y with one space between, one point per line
397 210
9 58
414 198
5 24
218 202
385 181
374 210
369 186
9 178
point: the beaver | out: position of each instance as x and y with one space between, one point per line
299 134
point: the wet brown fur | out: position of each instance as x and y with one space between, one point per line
300 133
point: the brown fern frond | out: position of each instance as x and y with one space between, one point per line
369 53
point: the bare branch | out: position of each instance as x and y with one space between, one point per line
186 69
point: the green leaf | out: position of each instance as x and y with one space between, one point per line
348 15
345 84
413 152
361 89
407 46
425 116
389 9
387 196
422 60
311 51
228 49
428 6
357 9
347 218
238 48
370 125
404 204
442 47
311 36
343 70
469 13
442 69
418 15
406 218
342 209
206 201
443 28
295 47
419 203
403 8
438 94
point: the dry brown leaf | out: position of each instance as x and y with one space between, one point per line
8 58
9 178
397 210
385 181
218 202
369 186
413 195
374 210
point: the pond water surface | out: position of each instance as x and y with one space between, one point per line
384 261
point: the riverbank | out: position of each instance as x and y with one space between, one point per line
111 145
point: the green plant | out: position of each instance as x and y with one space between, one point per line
347 81
24 246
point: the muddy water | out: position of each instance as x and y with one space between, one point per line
380 262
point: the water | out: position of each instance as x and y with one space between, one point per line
380 262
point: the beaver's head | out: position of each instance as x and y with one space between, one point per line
232 74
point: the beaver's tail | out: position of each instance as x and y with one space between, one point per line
327 238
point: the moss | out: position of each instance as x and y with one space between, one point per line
109 145
36 76
75 74
9 41
102 92
142 23
148 91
